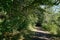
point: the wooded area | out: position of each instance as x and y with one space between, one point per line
18 18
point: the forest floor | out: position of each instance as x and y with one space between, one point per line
43 35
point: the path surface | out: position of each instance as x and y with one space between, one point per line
41 35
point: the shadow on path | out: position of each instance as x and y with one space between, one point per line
42 35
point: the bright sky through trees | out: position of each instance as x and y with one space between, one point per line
55 9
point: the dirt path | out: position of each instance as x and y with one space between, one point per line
39 29
41 35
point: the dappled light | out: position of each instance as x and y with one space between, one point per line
29 19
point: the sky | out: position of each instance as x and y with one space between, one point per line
53 9
56 9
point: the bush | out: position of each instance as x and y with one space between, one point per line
51 23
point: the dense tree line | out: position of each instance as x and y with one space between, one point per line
19 15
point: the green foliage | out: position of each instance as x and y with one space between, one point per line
50 27
51 23
19 15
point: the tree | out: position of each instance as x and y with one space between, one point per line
18 15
